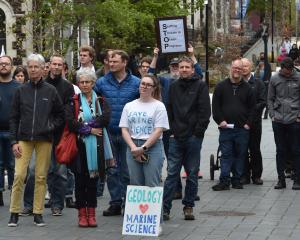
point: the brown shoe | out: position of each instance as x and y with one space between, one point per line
188 213
257 181
177 195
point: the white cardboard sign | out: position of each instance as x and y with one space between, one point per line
172 35
142 211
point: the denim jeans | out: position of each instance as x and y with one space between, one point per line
166 139
287 137
233 147
118 177
100 187
7 160
29 187
149 173
70 183
184 152
57 182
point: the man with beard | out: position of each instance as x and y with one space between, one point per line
165 82
233 107
8 87
188 112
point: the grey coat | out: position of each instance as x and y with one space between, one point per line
284 98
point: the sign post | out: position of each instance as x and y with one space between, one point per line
142 211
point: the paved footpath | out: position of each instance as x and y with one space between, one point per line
253 213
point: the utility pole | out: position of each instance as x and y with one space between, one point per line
272 32
206 43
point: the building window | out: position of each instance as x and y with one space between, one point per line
2 30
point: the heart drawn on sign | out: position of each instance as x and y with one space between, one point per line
143 208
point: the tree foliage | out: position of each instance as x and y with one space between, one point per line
125 24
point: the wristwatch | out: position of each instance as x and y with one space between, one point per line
144 147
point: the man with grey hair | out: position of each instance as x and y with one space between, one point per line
57 176
253 164
37 111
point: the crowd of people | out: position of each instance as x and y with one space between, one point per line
126 126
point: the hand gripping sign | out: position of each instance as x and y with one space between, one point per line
142 211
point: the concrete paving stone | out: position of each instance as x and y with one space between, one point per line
216 237
195 236
244 228
223 232
270 223
252 220
279 237
263 229
238 236
255 237
282 231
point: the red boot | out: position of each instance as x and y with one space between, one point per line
82 218
92 217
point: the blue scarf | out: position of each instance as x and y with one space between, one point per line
91 140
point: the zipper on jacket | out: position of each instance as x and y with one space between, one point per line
33 117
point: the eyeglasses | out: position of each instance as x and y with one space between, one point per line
146 85
85 82
5 64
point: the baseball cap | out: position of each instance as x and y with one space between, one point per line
174 61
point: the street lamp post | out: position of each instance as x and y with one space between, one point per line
241 17
272 33
206 43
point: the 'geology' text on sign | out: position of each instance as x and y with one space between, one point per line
172 37
142 211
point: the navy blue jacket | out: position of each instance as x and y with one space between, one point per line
7 91
117 94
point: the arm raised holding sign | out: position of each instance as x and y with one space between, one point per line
197 67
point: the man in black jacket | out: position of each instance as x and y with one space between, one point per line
37 111
233 109
57 176
253 165
188 112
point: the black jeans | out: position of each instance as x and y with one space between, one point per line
85 186
253 165
287 138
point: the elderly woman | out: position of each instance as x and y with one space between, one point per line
93 115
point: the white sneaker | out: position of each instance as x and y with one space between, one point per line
47 197
160 231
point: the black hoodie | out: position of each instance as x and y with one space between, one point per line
188 107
